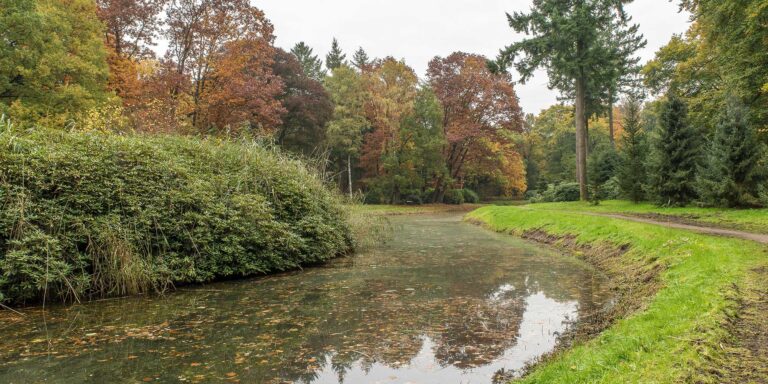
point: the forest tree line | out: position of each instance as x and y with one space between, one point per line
691 125
370 124
688 126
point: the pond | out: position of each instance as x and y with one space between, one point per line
442 302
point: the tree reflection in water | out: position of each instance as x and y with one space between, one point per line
443 302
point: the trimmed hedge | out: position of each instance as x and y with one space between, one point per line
88 215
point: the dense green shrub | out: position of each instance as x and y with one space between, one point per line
603 167
567 192
558 193
89 215
454 196
374 196
413 200
428 195
470 196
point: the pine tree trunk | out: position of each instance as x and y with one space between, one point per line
610 120
349 174
581 137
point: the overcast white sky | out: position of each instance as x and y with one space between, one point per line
418 30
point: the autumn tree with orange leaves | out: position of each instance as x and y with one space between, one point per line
481 115
225 48
401 154
385 132
392 87
131 28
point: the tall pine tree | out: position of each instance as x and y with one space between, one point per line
569 40
677 155
312 65
632 172
360 60
621 77
336 58
732 175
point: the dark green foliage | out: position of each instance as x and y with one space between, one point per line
732 175
470 196
416 157
374 196
310 63
603 167
336 58
677 152
558 193
731 40
360 60
566 192
308 107
632 167
454 196
604 164
413 200
92 215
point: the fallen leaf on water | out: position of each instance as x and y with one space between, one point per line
231 374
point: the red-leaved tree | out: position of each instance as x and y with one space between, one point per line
479 107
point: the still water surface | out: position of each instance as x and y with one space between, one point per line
442 302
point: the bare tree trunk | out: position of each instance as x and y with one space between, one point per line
581 138
611 131
349 174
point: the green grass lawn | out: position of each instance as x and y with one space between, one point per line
754 220
679 333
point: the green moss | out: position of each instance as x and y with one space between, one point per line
93 215
676 337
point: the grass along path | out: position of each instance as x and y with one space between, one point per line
697 302
711 230
750 220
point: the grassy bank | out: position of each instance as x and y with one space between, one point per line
753 220
690 297
86 215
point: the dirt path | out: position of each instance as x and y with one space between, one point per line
763 239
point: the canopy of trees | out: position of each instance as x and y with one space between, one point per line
700 138
372 124
692 125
